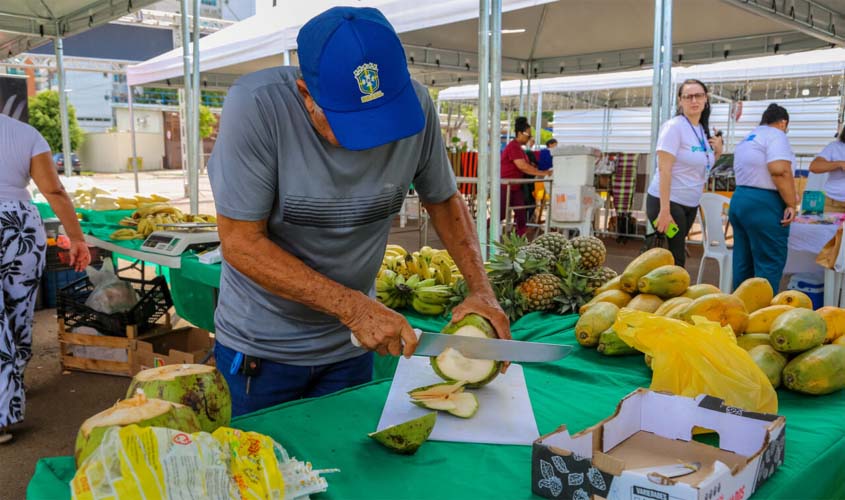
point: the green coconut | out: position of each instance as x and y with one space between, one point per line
407 437
138 410
446 396
199 387
452 366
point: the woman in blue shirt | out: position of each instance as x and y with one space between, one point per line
763 205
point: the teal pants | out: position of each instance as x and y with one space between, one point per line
760 241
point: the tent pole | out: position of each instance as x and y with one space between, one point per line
286 58
527 94
186 116
662 80
132 137
496 113
666 62
521 99
840 119
63 111
195 117
538 122
483 127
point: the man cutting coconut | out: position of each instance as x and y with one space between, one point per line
310 166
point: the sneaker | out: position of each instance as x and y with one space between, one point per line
5 436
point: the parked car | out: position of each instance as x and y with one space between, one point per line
59 160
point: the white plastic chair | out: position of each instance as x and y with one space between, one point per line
713 239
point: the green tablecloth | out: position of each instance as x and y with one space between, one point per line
194 291
578 391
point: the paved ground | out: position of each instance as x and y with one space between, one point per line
58 402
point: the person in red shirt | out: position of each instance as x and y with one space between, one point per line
515 165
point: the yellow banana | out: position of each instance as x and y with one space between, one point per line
398 249
411 264
124 234
446 272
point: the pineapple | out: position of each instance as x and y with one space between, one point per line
511 263
600 277
540 253
539 291
556 243
592 251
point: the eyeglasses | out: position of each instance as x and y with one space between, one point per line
694 97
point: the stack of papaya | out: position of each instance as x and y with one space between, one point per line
794 345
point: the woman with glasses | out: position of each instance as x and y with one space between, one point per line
763 205
515 165
832 161
685 154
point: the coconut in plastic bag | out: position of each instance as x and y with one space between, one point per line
111 294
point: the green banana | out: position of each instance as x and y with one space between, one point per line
426 308
413 281
437 294
427 283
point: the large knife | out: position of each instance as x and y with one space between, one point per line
432 344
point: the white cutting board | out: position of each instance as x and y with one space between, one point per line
504 412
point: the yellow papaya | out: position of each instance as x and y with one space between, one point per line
665 282
645 302
770 362
592 323
798 330
793 298
834 318
839 341
722 308
751 340
755 293
760 321
617 297
670 304
614 284
676 312
648 359
701 290
818 371
644 264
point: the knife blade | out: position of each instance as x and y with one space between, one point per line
432 344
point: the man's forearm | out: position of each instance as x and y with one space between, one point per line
287 276
456 230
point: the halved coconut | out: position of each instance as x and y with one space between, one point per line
407 437
447 396
452 366
200 387
136 410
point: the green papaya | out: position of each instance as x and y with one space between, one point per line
597 319
770 361
751 340
798 330
665 282
818 371
611 345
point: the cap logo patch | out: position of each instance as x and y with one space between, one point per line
367 77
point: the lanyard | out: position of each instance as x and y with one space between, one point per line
702 142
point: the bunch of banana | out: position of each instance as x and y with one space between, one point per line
152 223
153 198
431 299
158 209
128 222
201 218
126 234
127 203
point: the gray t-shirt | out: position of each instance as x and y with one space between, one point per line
330 207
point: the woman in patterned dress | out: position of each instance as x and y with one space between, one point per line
25 156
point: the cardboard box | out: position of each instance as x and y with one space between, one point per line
185 345
570 203
641 451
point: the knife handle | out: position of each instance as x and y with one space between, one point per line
356 343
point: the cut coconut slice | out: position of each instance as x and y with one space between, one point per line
200 387
466 404
137 410
437 390
451 365
436 404
407 437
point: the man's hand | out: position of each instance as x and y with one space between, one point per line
379 328
486 305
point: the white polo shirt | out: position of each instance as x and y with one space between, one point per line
752 156
19 142
835 185
692 154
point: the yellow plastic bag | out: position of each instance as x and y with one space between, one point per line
703 358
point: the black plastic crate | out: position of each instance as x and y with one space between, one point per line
154 302
58 259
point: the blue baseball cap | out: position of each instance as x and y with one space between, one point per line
354 66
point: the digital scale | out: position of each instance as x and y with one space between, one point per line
182 237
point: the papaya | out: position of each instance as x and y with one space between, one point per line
770 362
701 290
665 282
839 341
818 371
592 323
611 345
798 330
670 304
760 321
614 284
722 308
834 318
642 265
677 311
751 340
755 293
648 359
617 297
793 298
645 302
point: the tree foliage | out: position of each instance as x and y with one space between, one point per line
207 121
44 115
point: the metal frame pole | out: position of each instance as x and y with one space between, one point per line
132 137
186 63
527 94
666 63
538 122
521 99
484 127
840 119
199 151
64 117
286 60
657 59
496 111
